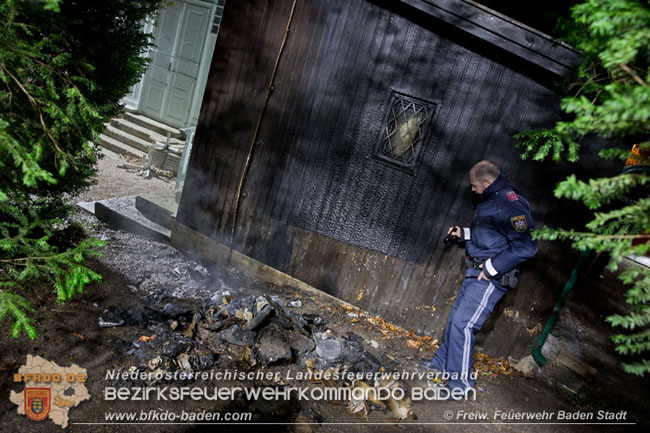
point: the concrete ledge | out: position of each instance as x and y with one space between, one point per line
121 213
154 210
88 206
198 245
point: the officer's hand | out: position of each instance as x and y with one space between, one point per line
482 275
454 231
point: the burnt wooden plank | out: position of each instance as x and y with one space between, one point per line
324 204
319 22
305 142
351 273
301 242
255 88
292 80
502 32
269 148
357 205
315 251
269 151
286 183
335 97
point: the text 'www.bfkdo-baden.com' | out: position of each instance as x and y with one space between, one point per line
170 416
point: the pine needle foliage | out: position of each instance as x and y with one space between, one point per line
56 90
610 99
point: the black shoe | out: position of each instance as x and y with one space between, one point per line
428 364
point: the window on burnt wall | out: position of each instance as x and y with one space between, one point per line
402 135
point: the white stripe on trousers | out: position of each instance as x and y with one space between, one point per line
468 336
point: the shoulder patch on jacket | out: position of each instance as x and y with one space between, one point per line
519 223
511 196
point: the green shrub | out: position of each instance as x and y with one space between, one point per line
611 99
64 66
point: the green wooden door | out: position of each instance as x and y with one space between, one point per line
170 82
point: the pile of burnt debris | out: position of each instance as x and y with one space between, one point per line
247 333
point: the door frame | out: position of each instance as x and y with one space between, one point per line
135 99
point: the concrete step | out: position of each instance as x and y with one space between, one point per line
165 160
155 126
132 128
142 132
127 138
119 147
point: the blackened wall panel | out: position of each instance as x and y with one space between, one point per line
238 81
316 204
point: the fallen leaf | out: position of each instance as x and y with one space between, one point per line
414 344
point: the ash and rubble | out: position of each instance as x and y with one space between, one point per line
162 269
196 317
193 319
195 307
198 334
250 332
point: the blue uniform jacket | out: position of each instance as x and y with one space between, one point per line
500 230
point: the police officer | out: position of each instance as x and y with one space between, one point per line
497 241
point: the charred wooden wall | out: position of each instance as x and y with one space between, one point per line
317 205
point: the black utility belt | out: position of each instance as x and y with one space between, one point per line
509 279
474 263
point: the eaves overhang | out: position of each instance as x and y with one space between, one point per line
503 32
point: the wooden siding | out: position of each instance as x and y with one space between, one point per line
318 206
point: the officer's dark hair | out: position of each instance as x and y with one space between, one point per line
486 170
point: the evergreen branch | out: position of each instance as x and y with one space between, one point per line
17 306
613 153
555 234
60 80
633 74
598 192
637 214
610 99
21 259
633 338
637 368
34 104
633 348
629 321
32 171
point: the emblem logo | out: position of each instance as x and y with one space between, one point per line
511 196
37 403
519 223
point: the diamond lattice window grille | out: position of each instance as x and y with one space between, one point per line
402 135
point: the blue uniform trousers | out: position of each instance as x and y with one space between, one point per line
474 303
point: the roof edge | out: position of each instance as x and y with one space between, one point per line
503 32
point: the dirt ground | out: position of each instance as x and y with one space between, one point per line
135 268
114 181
